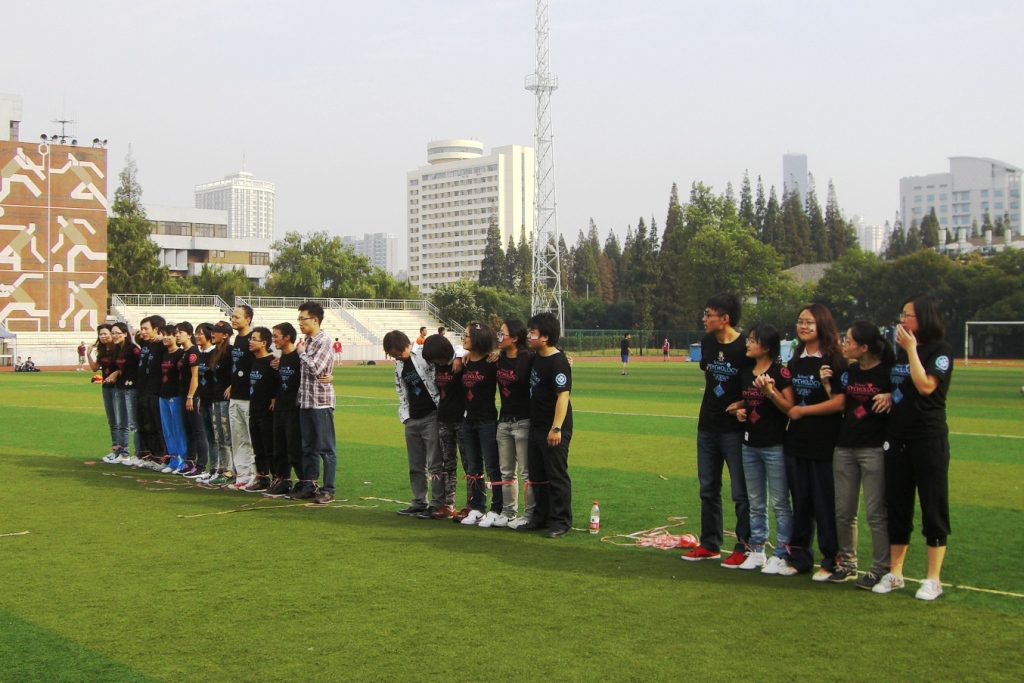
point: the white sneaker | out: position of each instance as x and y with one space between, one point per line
473 518
128 462
889 583
755 560
204 477
517 522
501 521
167 470
240 483
784 569
821 575
772 565
110 458
489 519
929 590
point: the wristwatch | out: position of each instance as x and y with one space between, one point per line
556 429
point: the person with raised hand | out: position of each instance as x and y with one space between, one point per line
480 427
451 411
918 454
126 372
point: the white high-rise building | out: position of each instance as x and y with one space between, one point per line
870 237
450 204
249 203
379 247
794 174
973 187
10 117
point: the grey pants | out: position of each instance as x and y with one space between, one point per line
425 461
513 438
851 468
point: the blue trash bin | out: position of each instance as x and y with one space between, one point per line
695 353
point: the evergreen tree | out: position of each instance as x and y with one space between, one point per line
896 242
641 276
820 243
133 266
836 228
1002 225
613 259
986 224
975 231
748 214
761 211
930 230
524 263
565 261
914 243
492 267
772 232
511 277
795 247
585 279
730 197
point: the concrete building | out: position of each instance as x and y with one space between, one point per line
10 117
249 203
794 174
451 201
972 187
379 247
870 237
191 238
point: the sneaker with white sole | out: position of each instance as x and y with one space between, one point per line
929 590
109 458
755 560
489 519
822 575
473 518
888 584
502 521
238 484
517 522
772 565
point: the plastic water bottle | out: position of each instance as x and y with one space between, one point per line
595 518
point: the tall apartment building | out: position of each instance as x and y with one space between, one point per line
249 203
973 187
379 247
10 117
794 174
870 237
451 201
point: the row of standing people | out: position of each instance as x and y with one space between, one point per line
839 417
223 413
447 407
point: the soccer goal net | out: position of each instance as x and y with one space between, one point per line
993 339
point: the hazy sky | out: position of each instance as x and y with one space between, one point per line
335 101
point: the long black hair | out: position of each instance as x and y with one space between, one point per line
866 333
768 337
930 324
517 329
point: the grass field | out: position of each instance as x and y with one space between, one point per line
115 582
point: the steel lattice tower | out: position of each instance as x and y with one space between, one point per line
547 270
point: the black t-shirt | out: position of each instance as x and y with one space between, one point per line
288 383
420 402
513 386
479 380
722 364
624 347
207 381
814 436
189 359
107 367
169 377
766 424
222 372
262 386
452 405
151 361
862 426
914 416
549 377
241 364
127 365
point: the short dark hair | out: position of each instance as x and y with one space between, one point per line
481 338
185 327
441 330
930 324
547 325
437 349
726 303
395 341
768 337
247 309
205 329
423 329
517 329
264 336
157 322
168 330
314 309
287 330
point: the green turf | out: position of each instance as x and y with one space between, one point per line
112 584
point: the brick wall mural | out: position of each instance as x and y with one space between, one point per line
53 237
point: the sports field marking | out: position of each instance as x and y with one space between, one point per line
694 417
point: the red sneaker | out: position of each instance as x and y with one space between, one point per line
462 514
443 512
701 553
737 558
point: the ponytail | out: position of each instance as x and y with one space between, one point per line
866 333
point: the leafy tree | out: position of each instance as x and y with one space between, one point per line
914 243
225 283
585 260
748 212
457 301
821 247
772 231
133 265
930 230
612 265
761 211
673 243
318 265
895 241
492 267
842 236
524 263
510 277
796 245
641 270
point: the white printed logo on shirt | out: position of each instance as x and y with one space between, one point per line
561 379
942 363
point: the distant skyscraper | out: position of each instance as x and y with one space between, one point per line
249 203
379 247
794 174
870 237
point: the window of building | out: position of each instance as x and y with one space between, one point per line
917 197
942 209
1014 205
984 206
997 193
931 198
257 258
943 219
943 197
999 205
984 194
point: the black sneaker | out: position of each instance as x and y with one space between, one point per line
427 514
842 573
279 489
868 581
302 494
323 498
411 511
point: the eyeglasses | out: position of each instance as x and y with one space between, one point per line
709 314
302 320
501 336
805 323
904 315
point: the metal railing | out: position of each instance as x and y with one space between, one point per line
170 300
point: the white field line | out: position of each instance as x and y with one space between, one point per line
694 417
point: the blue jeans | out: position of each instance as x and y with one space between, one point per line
318 444
108 406
479 438
127 418
173 423
765 470
714 452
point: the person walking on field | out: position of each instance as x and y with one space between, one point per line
624 352
81 356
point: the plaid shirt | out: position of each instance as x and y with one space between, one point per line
316 359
